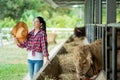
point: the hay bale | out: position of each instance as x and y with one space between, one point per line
63 63
74 39
66 63
67 76
88 57
71 38
77 41
69 47
51 71
62 51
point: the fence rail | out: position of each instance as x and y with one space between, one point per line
5 35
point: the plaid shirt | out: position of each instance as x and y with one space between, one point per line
36 43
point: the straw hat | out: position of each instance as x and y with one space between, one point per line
20 31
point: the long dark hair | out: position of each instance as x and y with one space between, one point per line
43 26
42 21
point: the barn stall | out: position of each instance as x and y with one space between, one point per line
94 30
62 65
62 60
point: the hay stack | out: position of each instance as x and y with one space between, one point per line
62 67
66 63
51 71
62 51
71 45
67 76
67 68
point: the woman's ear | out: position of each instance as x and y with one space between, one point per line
41 24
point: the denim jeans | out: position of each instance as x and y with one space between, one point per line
34 66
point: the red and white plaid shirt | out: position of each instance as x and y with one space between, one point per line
36 43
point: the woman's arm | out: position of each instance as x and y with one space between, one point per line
21 45
43 44
45 47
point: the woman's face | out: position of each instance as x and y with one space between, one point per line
37 23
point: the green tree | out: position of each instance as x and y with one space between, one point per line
15 8
26 10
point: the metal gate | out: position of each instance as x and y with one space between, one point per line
109 34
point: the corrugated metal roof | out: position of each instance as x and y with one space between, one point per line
64 3
68 2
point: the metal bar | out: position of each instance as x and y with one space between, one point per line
88 33
92 33
102 25
110 48
103 48
100 32
114 55
97 32
111 11
114 24
107 56
98 11
106 69
118 70
87 12
92 11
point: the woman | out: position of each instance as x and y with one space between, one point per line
36 45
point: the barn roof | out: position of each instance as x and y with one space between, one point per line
64 3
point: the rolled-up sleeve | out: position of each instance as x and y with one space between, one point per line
44 45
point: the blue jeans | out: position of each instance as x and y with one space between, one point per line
34 66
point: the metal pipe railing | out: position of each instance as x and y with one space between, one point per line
108 33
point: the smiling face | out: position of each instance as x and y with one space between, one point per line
37 23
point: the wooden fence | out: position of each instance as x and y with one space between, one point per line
6 37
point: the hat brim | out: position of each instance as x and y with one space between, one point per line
20 31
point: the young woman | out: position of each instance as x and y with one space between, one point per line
36 45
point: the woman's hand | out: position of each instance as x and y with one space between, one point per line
16 41
47 60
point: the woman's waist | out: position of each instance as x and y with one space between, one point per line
37 55
34 50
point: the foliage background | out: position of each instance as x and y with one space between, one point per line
13 11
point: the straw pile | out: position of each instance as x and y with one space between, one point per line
62 67
66 59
